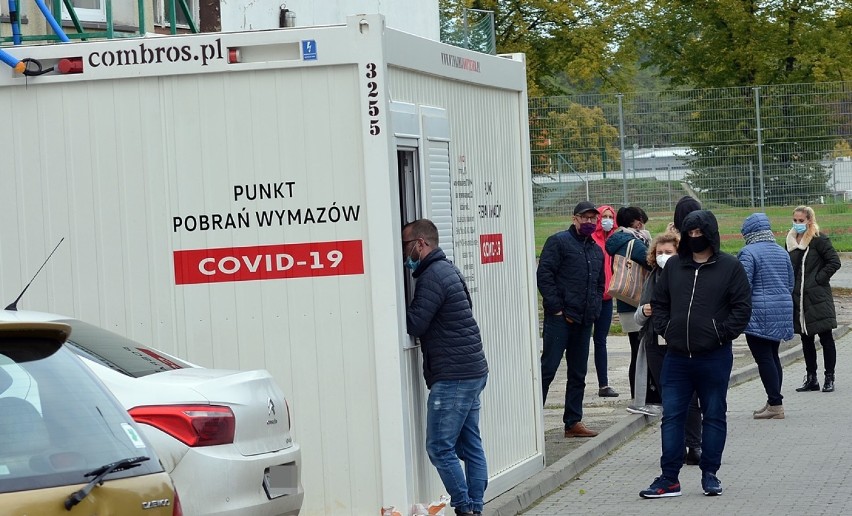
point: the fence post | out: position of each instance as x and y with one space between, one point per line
759 143
621 137
751 182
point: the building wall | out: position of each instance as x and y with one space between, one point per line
419 17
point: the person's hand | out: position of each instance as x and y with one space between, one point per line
646 310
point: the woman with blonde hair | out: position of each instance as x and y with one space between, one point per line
814 263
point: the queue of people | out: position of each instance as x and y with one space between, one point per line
696 300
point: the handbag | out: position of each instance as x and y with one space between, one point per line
628 278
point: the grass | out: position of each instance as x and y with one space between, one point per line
833 219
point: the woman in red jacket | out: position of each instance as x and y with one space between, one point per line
606 227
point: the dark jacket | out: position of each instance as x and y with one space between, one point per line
617 244
571 276
813 303
441 315
700 307
767 266
647 336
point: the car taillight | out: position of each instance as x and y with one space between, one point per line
193 425
177 510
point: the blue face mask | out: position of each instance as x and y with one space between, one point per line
800 228
411 264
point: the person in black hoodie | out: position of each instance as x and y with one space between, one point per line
701 303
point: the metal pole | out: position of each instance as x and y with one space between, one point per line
466 33
621 137
759 143
633 158
751 182
669 183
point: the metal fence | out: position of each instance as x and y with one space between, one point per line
473 30
767 145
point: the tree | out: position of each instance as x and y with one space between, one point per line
579 42
739 44
718 43
571 138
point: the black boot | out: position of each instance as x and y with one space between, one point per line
828 386
692 456
810 383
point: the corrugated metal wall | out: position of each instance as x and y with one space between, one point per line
168 157
492 202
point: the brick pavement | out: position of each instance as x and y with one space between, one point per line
799 465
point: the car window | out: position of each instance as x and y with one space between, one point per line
57 421
119 353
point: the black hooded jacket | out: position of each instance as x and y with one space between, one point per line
700 307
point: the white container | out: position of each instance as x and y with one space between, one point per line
248 215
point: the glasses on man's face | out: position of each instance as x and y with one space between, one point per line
587 218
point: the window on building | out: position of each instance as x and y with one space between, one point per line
87 10
162 12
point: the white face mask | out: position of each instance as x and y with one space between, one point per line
607 224
662 259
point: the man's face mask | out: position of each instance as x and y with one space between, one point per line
587 228
699 243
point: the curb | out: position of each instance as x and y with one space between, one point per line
525 494
530 491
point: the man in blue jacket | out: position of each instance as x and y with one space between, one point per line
571 282
454 366
701 303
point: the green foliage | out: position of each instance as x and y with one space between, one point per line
584 40
748 42
561 135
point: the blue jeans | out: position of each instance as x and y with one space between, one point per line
452 434
571 340
708 375
765 353
602 326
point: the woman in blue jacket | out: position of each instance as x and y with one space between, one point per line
631 228
770 275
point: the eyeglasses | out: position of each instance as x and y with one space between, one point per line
587 218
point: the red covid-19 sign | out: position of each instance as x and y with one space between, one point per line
491 248
268 262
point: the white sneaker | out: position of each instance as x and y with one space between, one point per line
647 410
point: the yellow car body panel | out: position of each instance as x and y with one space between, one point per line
148 495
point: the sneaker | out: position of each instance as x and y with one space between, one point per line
647 410
711 484
607 392
662 487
